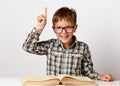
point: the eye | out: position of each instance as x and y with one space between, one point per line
69 27
58 27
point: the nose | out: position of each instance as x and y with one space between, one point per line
63 30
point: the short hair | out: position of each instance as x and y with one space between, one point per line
65 13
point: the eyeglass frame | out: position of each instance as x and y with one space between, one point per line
70 27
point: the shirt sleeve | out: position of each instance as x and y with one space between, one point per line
33 45
88 65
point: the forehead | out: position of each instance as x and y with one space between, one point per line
63 22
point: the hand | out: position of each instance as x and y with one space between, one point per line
42 20
107 77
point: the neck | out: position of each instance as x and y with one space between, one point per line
67 45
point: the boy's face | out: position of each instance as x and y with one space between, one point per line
64 31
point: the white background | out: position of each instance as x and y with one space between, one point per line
98 26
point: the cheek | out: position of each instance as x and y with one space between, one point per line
74 30
58 35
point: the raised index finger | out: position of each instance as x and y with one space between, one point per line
45 11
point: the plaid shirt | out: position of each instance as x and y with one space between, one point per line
73 61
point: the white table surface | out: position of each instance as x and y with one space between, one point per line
17 81
10 81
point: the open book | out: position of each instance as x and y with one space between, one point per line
58 80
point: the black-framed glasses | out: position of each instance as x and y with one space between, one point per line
67 29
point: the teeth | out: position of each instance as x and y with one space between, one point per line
64 36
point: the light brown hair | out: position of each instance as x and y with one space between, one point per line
66 14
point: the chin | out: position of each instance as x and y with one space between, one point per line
65 41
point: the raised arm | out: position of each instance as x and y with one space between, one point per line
32 43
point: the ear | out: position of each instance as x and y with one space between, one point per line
75 28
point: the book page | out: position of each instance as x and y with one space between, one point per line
61 76
67 79
83 78
41 80
71 81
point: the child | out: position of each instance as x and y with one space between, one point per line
65 55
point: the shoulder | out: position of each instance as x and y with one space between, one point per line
81 43
51 41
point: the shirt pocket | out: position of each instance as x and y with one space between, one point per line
55 56
76 59
77 56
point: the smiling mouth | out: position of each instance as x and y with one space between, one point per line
64 36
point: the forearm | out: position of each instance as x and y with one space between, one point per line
32 38
32 43
93 75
